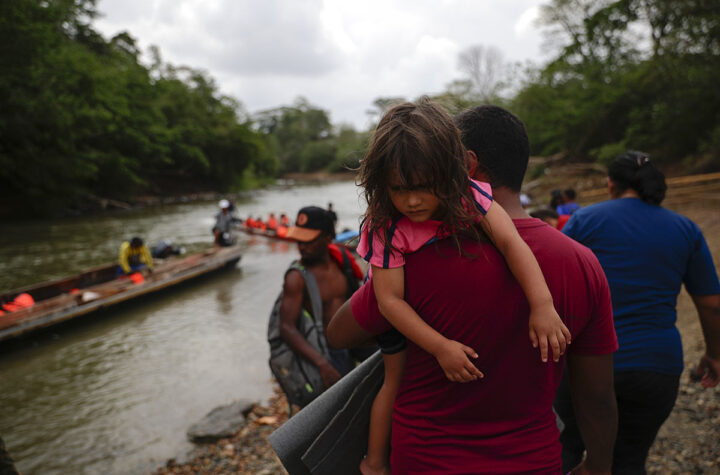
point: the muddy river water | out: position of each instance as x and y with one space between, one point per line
115 392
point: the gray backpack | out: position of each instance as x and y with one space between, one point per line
299 379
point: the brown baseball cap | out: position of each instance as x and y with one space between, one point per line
310 222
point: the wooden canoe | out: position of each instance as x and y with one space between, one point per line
97 288
260 232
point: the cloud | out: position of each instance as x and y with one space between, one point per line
524 24
246 37
340 55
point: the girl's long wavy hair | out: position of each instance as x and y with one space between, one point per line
421 144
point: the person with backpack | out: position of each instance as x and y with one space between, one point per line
314 288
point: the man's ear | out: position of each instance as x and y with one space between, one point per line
476 171
612 188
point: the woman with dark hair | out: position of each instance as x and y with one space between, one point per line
647 253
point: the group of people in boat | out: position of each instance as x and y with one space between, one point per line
272 224
465 389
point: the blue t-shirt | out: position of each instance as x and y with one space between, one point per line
647 253
567 208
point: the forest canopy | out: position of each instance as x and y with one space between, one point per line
82 118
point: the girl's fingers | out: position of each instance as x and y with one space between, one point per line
533 338
465 377
543 350
469 351
563 344
555 344
476 372
472 370
568 335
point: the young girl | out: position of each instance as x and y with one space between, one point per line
418 190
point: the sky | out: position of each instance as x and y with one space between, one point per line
339 54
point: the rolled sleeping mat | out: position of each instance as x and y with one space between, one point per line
329 435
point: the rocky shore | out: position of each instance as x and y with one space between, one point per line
247 452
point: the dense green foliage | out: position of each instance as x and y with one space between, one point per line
637 74
82 118
304 140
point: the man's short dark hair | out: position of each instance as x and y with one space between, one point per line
570 194
499 140
136 242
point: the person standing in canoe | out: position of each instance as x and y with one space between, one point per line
224 220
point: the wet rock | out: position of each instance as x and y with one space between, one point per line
221 422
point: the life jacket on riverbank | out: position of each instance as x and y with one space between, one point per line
299 379
20 302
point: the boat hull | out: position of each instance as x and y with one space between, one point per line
62 305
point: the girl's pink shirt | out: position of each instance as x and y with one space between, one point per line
407 236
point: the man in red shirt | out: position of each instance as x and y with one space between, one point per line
502 423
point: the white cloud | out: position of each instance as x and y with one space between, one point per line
340 55
526 22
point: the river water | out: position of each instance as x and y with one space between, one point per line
115 392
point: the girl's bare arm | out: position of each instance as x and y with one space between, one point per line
546 327
389 287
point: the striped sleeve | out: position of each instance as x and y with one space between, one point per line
482 195
372 246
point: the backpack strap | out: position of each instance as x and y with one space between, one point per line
352 282
312 288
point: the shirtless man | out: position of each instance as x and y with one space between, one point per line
314 230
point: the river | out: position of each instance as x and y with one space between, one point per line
115 392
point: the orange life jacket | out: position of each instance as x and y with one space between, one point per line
336 254
20 302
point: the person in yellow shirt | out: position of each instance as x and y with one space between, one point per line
134 256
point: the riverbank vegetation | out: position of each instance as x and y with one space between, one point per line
84 119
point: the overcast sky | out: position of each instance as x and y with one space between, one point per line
339 54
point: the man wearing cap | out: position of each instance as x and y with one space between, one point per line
314 231
223 225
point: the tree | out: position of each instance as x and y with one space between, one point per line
292 130
605 90
484 68
382 105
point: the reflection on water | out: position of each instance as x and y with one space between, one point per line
116 392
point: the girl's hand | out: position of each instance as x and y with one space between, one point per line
454 359
549 332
